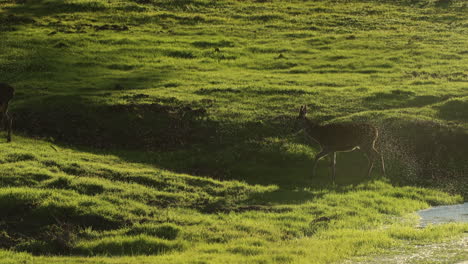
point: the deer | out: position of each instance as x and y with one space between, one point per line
341 137
6 94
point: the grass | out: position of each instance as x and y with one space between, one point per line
163 131
106 206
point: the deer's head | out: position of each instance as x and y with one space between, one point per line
302 112
301 119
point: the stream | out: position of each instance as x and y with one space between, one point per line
444 214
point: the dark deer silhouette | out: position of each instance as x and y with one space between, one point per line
6 94
344 137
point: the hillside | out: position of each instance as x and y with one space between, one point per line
154 131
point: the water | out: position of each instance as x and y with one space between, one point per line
444 214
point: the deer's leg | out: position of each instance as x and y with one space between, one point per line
376 155
333 166
8 124
320 155
383 163
370 154
3 115
371 165
373 151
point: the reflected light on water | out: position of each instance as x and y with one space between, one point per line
444 214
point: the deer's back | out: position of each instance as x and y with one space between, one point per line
6 93
345 135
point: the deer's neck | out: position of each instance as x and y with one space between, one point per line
312 128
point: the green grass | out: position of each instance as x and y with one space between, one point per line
163 131
106 206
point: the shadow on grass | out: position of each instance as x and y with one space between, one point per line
454 110
181 137
78 120
400 99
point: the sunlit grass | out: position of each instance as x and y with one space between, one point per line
149 179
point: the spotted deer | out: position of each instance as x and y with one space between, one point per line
343 137
6 94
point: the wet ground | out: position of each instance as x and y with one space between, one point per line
451 252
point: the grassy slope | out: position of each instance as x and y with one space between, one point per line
342 58
73 202
121 67
119 75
